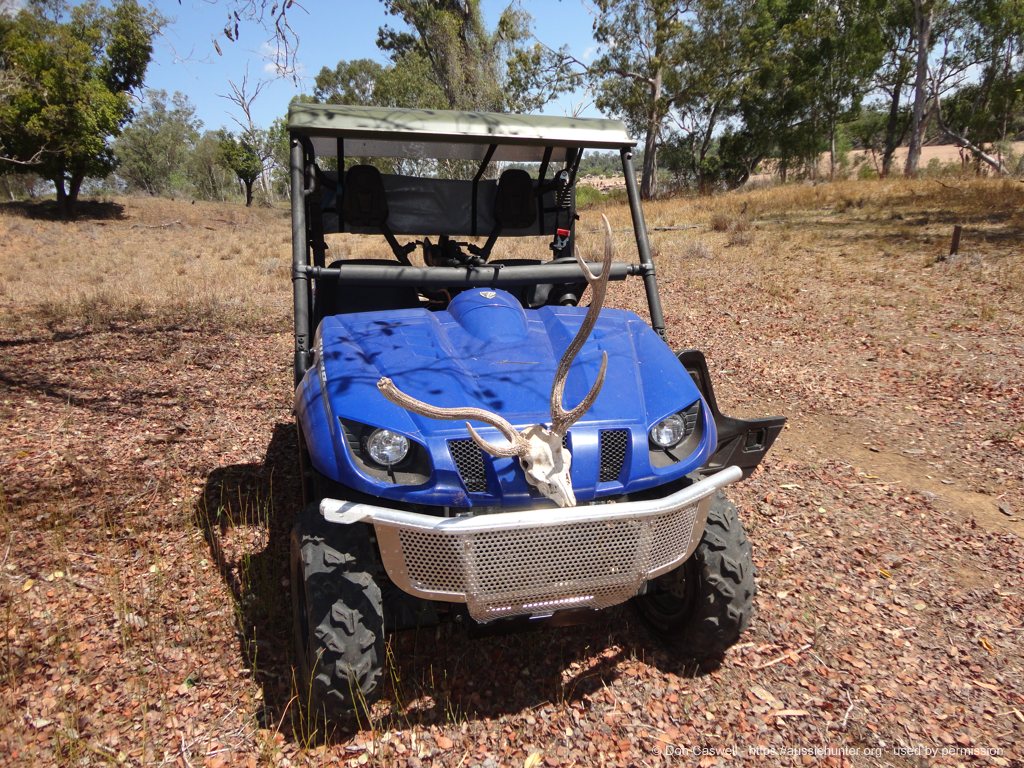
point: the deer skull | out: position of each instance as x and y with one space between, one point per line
542 457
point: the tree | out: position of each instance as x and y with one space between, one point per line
153 151
75 79
207 174
714 64
473 68
641 48
279 147
244 157
253 146
845 50
924 17
405 82
350 82
989 109
958 42
893 76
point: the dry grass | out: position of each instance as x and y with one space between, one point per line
143 258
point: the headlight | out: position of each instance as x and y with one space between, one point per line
668 432
387 448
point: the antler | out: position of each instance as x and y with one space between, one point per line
518 445
562 419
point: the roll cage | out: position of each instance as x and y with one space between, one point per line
361 199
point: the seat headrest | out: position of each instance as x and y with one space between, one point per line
364 202
515 204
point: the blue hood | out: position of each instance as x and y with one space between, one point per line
486 351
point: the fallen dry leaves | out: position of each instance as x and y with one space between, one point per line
148 483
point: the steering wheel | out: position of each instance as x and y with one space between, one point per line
448 253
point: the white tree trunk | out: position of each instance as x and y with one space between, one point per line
923 11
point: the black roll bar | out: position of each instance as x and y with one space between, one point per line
643 245
486 275
300 259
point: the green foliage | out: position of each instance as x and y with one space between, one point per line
601 164
868 129
73 80
636 75
244 155
207 176
727 162
992 108
587 196
817 64
866 171
405 82
890 82
350 82
781 74
153 151
279 156
448 44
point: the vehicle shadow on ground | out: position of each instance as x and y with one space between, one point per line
439 675
245 513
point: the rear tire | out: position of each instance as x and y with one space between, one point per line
703 606
337 618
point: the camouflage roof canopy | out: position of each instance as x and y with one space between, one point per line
444 134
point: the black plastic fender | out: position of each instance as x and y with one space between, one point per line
741 442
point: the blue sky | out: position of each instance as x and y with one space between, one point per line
185 58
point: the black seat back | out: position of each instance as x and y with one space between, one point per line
364 202
515 203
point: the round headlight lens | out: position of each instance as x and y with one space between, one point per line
668 432
387 448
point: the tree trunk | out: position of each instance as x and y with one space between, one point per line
923 10
649 177
832 151
62 195
67 192
892 140
73 189
248 192
705 145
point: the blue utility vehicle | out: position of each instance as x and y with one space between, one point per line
475 443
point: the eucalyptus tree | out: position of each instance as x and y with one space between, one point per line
473 67
153 151
636 73
991 108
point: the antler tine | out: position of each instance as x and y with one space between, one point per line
517 447
593 279
562 419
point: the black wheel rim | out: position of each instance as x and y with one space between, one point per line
674 597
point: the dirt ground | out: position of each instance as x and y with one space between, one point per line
148 482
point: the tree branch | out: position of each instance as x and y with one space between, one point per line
965 143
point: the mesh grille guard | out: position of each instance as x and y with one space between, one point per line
534 562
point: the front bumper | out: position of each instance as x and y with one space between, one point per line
535 562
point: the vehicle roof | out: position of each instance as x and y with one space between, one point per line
448 134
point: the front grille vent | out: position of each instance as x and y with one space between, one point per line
469 460
614 446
